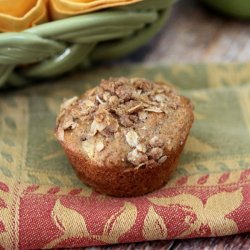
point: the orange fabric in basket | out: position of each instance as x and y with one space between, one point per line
21 14
18 9
64 8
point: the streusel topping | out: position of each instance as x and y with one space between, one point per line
130 122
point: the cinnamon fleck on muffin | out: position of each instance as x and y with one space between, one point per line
124 137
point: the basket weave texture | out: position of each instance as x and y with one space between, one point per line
57 47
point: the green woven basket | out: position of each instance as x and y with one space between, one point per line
53 48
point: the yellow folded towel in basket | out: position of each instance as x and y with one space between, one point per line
22 14
63 8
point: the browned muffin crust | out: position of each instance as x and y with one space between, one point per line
124 137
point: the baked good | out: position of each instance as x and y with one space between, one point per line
124 137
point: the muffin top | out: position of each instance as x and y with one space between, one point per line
128 123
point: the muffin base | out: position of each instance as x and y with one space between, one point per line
119 182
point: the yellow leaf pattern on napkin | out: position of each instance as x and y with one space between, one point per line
154 226
69 221
217 206
119 223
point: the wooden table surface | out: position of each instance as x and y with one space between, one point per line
197 35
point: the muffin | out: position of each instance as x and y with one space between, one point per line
124 137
